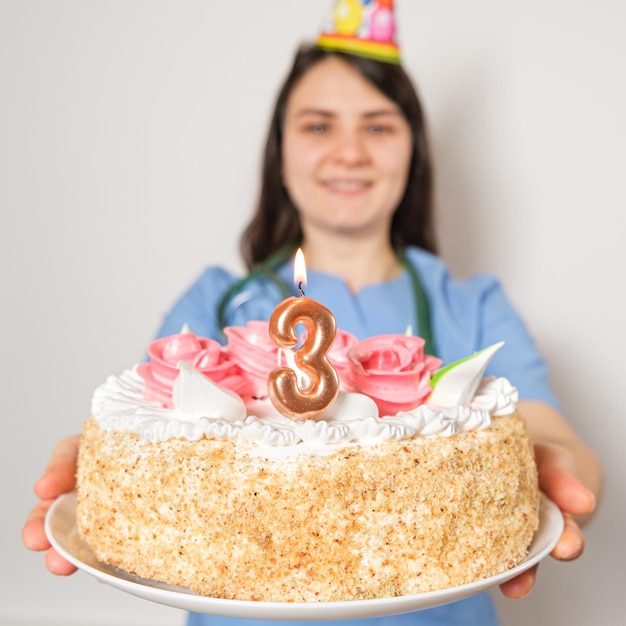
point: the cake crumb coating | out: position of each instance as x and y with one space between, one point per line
368 521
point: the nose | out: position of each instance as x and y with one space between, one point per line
350 148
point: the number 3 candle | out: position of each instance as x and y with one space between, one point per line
317 389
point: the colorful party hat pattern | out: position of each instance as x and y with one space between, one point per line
362 27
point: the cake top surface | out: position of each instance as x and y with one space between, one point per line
389 390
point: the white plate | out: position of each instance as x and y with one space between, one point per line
63 535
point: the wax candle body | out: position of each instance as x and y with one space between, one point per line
286 392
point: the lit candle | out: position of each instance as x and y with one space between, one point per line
315 391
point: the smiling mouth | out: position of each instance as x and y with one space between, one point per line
346 186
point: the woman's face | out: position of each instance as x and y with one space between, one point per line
346 151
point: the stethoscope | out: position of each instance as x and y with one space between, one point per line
238 294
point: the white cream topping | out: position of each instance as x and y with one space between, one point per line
118 404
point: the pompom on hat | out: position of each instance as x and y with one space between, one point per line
363 27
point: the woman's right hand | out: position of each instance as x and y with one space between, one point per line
59 478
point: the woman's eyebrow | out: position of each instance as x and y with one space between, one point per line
383 112
366 114
320 112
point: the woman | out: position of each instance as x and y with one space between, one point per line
347 175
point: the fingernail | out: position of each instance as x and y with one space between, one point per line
569 547
592 500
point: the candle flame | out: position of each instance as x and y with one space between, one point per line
299 269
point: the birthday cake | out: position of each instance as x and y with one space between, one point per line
416 478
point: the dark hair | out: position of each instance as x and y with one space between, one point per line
275 223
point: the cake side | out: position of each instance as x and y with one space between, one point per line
367 521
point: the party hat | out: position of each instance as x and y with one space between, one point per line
362 27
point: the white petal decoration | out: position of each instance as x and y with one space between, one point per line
195 396
456 383
351 405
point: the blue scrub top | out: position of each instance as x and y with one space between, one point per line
466 316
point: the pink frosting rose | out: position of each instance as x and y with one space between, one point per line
206 355
252 349
393 370
338 353
256 355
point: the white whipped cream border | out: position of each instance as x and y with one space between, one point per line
118 404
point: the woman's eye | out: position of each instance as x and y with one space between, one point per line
317 129
378 129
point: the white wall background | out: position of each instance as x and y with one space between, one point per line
130 136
